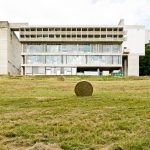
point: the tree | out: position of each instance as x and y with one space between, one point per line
145 62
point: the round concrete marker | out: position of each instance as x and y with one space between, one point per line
83 88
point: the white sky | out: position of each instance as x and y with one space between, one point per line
76 12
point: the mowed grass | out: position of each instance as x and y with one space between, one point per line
45 109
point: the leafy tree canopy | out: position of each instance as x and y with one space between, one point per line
145 62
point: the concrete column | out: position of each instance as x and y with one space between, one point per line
4 47
98 71
125 66
133 65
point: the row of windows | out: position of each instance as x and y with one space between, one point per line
72 36
50 70
74 48
74 60
71 29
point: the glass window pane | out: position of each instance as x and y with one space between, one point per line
53 59
93 60
28 70
106 48
109 60
53 48
116 48
39 70
115 60
75 60
34 48
35 59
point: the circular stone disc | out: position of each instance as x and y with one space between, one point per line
83 88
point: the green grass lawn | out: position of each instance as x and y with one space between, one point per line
45 109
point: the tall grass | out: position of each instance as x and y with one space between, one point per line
45 109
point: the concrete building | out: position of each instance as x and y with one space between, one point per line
71 50
147 36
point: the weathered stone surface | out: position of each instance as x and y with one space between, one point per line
83 88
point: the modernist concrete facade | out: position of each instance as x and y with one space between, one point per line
10 51
71 50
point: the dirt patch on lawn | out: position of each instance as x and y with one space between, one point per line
41 146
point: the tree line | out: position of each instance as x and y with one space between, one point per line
145 62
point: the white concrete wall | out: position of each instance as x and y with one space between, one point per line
147 36
135 43
3 50
133 65
14 55
10 51
135 39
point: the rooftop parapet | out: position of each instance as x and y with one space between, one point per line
4 24
17 26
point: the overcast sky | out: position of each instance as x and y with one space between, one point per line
76 12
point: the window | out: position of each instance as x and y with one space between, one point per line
84 29
116 48
63 36
120 29
39 70
93 60
103 29
33 29
120 36
45 35
115 29
27 29
68 36
109 29
53 48
57 36
63 29
84 36
109 36
74 36
27 36
115 36
21 29
39 36
73 29
90 29
31 48
116 60
76 60
22 36
103 36
109 60
53 59
97 36
28 70
68 29
90 36
84 48
35 59
39 29
33 36
51 29
106 48
57 29
45 29
51 36
97 29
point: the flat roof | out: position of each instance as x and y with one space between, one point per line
18 26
